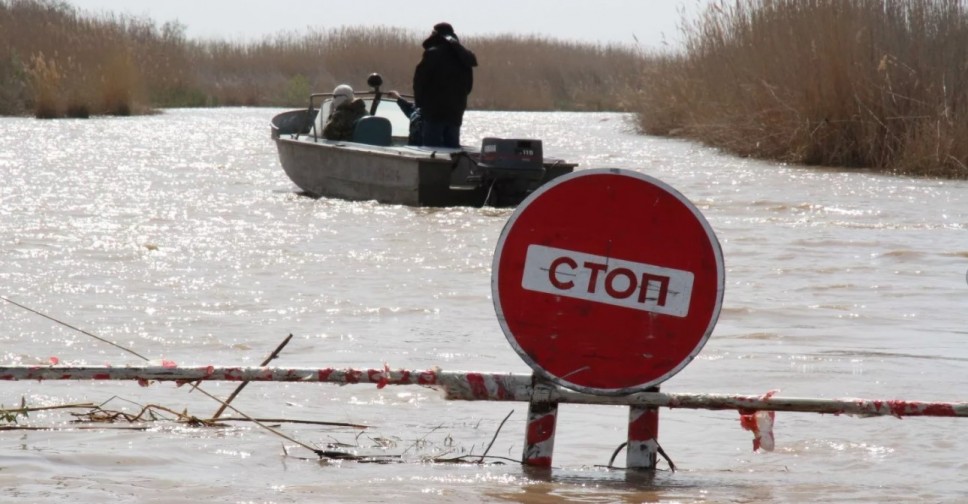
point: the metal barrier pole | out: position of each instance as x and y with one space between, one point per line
643 446
476 386
539 442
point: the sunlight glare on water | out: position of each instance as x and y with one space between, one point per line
179 236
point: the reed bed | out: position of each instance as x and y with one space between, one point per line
57 61
878 84
858 83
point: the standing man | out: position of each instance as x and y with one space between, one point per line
441 82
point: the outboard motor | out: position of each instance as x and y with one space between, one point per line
504 158
507 168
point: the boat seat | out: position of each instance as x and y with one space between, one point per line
373 130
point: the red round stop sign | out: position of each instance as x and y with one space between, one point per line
607 281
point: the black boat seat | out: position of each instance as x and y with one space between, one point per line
373 130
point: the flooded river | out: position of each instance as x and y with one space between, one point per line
179 237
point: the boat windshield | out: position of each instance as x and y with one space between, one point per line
388 108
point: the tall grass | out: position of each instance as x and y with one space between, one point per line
863 83
515 73
857 83
63 63
56 61
534 73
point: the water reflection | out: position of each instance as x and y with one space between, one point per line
179 236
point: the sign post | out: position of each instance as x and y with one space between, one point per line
608 281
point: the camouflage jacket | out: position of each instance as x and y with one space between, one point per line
340 124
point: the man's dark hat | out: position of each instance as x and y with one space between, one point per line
444 29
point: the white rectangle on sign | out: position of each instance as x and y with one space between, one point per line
638 286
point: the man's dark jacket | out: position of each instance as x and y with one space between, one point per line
443 79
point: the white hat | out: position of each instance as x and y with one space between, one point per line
343 93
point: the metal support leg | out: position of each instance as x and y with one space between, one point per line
643 447
539 444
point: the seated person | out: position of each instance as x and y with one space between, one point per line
412 113
345 110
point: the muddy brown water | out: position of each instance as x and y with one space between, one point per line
179 236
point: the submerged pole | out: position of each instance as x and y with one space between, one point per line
642 449
539 437
475 386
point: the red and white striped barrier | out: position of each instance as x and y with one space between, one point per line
471 386
543 397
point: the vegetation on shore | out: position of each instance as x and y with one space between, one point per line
56 61
877 84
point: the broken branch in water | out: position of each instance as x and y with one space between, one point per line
293 421
273 355
495 436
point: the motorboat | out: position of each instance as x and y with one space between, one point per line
377 163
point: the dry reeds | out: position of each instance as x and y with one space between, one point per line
515 73
57 61
72 65
856 83
533 73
